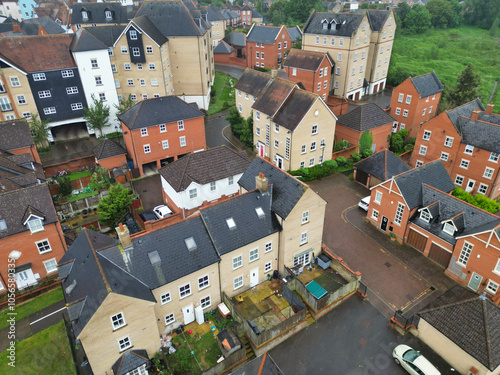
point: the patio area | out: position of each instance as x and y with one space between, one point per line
328 279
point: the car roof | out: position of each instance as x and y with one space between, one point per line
427 367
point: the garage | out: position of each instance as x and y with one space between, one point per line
440 255
417 240
361 177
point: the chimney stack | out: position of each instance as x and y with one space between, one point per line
274 73
124 236
489 108
261 183
475 114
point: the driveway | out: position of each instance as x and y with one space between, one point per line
149 189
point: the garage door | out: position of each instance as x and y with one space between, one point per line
440 255
416 240
361 177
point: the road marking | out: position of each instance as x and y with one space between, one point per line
227 139
46 316
342 215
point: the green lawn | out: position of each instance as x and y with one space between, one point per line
47 352
82 195
447 52
76 175
224 93
30 307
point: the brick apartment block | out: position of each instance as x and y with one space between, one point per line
266 46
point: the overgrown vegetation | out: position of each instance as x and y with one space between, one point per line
399 142
100 179
341 145
241 128
478 200
222 94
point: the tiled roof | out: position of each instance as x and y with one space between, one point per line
176 260
107 149
152 112
223 48
377 18
236 38
295 33
16 171
348 24
427 84
229 14
433 174
15 134
144 23
108 35
480 134
249 227
39 53
473 324
307 60
214 14
255 366
203 167
287 190
96 13
252 82
365 117
295 108
465 110
275 94
85 41
263 34
49 25
130 361
256 14
382 165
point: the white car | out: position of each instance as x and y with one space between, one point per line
162 211
413 362
364 203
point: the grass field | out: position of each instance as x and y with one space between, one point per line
447 52
47 352
224 93
30 307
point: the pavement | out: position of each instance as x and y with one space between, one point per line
149 189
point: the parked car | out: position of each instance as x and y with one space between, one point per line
412 361
147 215
162 211
364 203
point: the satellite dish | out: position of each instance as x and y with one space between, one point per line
15 255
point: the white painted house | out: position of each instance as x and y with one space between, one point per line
202 177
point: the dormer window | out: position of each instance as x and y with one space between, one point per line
35 224
108 14
230 223
425 215
133 34
85 15
325 24
449 229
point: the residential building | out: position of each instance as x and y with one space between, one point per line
224 53
238 41
333 6
218 23
202 177
313 69
109 154
16 138
232 18
160 130
295 34
368 117
248 89
257 17
394 201
57 10
267 46
19 171
378 168
41 26
10 8
415 101
98 14
28 8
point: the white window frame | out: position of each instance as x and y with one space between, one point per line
315 129
253 255
185 291
268 267
180 125
205 302
165 298
448 142
492 287
398 217
35 228
237 281
469 150
124 343
494 157
303 238
464 164
398 111
444 156
375 214
118 321
427 135
408 98
52 267
193 193
41 245
203 282
182 141
169 319
488 173
449 228
378 197
405 113
459 177
305 217
237 262
147 148
465 253
268 247
482 189
423 150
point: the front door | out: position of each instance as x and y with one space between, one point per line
188 312
254 277
470 185
279 162
261 149
383 225
474 281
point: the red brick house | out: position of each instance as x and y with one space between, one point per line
369 117
313 69
160 130
15 137
378 168
266 46
109 154
415 101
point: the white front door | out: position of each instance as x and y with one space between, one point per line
25 278
470 185
279 162
188 312
254 277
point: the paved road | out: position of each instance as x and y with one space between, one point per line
214 127
233 70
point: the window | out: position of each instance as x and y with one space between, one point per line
444 156
449 229
152 66
423 112
130 82
276 143
363 55
482 189
110 51
423 150
147 149
169 319
405 113
124 343
302 164
144 132
315 129
361 69
427 135
254 255
133 34
193 193
459 180
279 45
341 42
49 110
497 267
302 259
164 144
124 50
14 81
325 40
165 298
375 214
339 57
136 51
257 131
399 213
268 247
237 262
304 148
398 111
311 162
469 149
39 77
93 63
203 282
21 99
205 302
419 163
448 141
465 253
117 320
319 86
464 164
76 106
27 116
238 282
230 180
71 90
185 291
303 238
313 146
378 197
213 186
117 85
149 49
44 94
337 71
182 141
285 44
163 128
139 66
430 110
488 173
353 71
102 96
127 66
317 40
494 157
425 215
268 266
336 84
98 80
492 287
240 108
67 73
305 217
50 265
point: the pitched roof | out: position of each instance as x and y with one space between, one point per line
472 323
269 367
275 94
382 165
307 60
16 171
49 25
85 41
256 14
39 53
223 48
129 361
263 34
96 13
236 38
433 174
108 35
252 82
377 18
480 134
347 23
204 167
152 112
213 14
249 226
427 84
15 134
107 149
465 110
295 33
287 190
296 106
145 24
365 117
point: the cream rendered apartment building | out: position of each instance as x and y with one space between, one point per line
16 98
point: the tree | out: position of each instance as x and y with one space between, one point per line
442 13
65 187
124 105
99 179
39 130
402 11
97 115
114 206
481 13
466 88
365 141
418 19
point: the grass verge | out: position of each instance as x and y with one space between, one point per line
224 93
77 175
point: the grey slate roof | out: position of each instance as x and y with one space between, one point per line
107 149
214 15
223 48
287 190
464 110
365 117
85 41
106 34
96 13
308 60
49 25
377 18
295 33
249 227
152 112
274 95
471 323
144 23
236 39
129 361
252 82
204 167
480 134
229 14
15 134
263 34
433 174
256 14
427 84
298 103
382 165
176 260
253 367
349 23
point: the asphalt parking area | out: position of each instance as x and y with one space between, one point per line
149 189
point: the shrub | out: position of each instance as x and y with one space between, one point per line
340 145
341 161
479 200
331 164
65 187
367 153
355 157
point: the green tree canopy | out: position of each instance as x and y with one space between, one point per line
124 105
466 88
39 130
481 13
444 13
97 116
114 206
365 141
402 11
418 20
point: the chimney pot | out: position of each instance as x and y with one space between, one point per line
489 108
474 115
261 182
